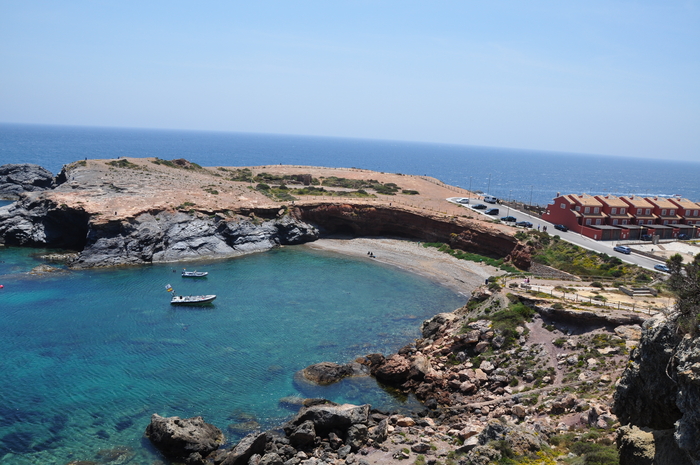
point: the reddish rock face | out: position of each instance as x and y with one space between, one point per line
459 233
395 370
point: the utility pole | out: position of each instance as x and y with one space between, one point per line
488 189
531 196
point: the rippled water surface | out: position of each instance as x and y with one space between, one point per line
88 356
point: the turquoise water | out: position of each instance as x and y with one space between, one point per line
90 355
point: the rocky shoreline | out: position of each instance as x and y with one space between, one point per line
508 378
545 396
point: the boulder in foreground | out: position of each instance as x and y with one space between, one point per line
189 439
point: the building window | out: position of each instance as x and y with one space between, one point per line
614 211
588 222
578 208
562 205
672 212
665 222
639 211
695 213
587 210
597 221
663 211
622 211
648 211
624 222
614 222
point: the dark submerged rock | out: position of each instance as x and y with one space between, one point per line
326 373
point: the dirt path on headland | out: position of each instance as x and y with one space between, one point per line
460 275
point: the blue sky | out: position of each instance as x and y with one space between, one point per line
612 77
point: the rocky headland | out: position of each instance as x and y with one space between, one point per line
137 211
512 377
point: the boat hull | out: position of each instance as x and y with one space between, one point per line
194 274
192 299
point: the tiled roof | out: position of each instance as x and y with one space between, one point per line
661 202
586 200
611 200
685 203
637 202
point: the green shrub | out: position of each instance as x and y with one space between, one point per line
123 163
596 454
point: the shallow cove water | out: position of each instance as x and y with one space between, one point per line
88 356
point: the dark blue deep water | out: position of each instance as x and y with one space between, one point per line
88 356
506 173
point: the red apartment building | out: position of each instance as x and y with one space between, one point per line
607 217
665 210
616 210
641 209
579 212
689 211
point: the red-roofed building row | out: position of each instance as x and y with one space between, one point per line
625 217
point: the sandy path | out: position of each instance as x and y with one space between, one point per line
460 275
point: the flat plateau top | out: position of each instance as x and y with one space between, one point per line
127 187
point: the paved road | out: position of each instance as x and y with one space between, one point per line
569 236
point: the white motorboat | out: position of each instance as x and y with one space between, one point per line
192 299
194 274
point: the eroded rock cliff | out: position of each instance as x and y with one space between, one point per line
659 395
162 236
16 179
370 220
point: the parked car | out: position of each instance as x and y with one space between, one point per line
682 236
561 227
480 206
646 237
492 211
524 224
490 199
663 268
509 219
622 249
463 200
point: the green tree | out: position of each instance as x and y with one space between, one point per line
685 283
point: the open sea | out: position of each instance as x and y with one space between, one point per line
88 356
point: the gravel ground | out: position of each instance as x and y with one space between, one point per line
460 275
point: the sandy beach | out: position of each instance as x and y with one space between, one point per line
462 276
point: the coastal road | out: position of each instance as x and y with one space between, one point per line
569 236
